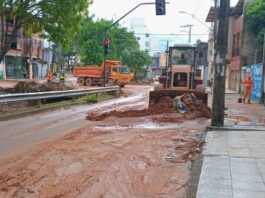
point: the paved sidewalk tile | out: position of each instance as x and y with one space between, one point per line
234 165
247 194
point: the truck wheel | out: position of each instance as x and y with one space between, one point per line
81 81
110 82
89 81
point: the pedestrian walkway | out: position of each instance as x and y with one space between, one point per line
234 164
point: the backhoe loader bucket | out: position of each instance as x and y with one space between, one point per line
154 96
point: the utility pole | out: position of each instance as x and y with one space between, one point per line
262 98
189 26
218 104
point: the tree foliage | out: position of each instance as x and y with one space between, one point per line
255 16
136 60
57 20
89 41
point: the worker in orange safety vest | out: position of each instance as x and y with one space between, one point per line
248 89
49 76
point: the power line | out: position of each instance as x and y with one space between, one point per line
161 34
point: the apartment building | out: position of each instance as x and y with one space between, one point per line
24 59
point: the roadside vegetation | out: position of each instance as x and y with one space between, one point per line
88 44
255 15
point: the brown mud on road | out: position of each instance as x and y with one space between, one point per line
163 106
122 157
134 153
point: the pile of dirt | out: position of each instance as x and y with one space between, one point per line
164 105
33 86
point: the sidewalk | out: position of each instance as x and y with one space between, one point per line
234 157
234 165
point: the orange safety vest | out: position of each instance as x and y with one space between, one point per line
248 87
49 75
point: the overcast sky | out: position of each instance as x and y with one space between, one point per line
167 24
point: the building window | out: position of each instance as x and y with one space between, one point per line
146 44
236 44
138 38
13 43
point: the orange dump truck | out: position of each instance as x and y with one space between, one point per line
116 74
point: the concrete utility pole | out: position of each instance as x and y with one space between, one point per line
218 104
189 26
262 98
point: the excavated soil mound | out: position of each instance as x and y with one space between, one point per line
164 105
33 86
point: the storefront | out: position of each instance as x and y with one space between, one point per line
13 67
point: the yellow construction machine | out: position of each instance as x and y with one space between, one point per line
178 77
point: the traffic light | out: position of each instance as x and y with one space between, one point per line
160 7
106 46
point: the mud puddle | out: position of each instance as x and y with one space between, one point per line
142 124
235 117
138 126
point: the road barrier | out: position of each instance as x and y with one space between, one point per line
54 94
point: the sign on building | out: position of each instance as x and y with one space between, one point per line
257 80
1 70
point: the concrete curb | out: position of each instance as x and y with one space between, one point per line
236 128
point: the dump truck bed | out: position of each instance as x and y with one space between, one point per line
88 72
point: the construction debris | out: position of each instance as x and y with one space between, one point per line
33 86
193 109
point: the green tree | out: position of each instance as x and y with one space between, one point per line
57 20
255 17
137 60
89 41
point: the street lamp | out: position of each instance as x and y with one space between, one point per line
193 16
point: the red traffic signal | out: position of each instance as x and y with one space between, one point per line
106 41
106 46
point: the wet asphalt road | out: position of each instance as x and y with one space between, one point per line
29 130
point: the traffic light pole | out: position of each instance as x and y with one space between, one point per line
117 21
105 57
218 104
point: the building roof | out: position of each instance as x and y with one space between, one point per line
210 16
237 10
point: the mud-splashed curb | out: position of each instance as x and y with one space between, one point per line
196 171
237 128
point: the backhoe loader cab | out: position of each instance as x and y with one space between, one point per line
181 65
179 76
